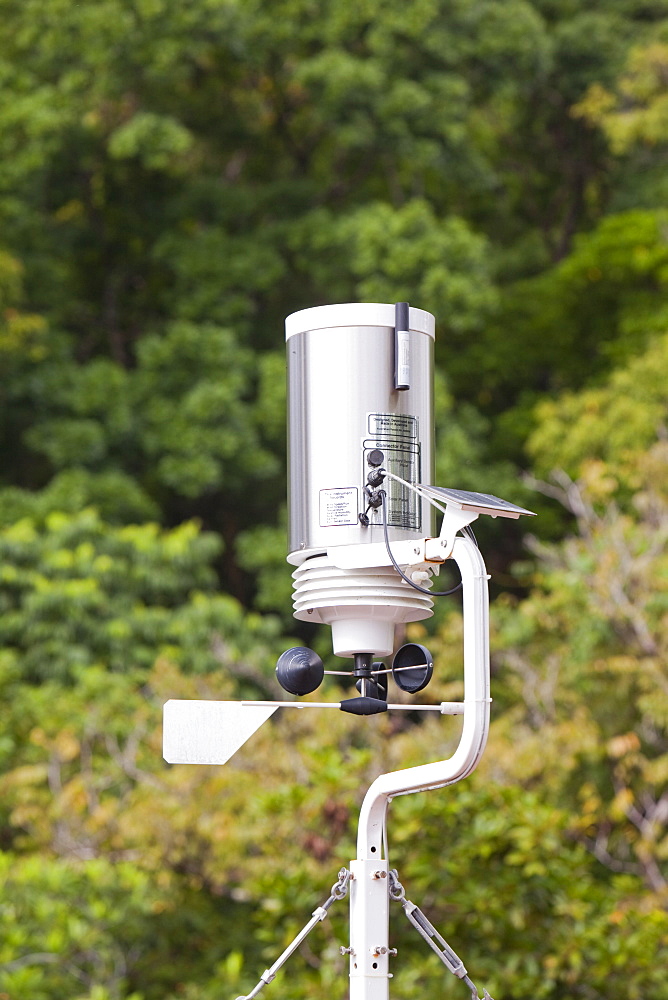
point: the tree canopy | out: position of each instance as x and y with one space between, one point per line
174 180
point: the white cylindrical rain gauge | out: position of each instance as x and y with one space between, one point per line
360 395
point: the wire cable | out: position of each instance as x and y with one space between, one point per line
467 529
416 489
415 586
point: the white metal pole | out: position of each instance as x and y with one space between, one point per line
369 930
369 890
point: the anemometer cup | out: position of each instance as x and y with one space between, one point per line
412 655
299 670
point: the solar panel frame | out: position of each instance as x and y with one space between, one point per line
482 503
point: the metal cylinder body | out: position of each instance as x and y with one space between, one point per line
357 387
342 404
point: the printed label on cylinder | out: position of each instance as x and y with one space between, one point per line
338 506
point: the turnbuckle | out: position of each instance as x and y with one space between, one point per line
436 941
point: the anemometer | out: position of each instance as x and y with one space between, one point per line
366 556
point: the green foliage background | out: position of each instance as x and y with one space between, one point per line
175 178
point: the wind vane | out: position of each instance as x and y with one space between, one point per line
365 552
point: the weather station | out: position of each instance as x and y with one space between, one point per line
366 558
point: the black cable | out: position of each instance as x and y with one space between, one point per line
415 586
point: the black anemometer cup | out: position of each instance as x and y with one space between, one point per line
417 656
299 670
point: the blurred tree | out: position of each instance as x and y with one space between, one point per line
174 180
77 593
606 428
95 930
187 176
633 116
572 325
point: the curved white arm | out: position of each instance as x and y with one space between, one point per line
476 710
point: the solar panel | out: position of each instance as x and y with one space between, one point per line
482 503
